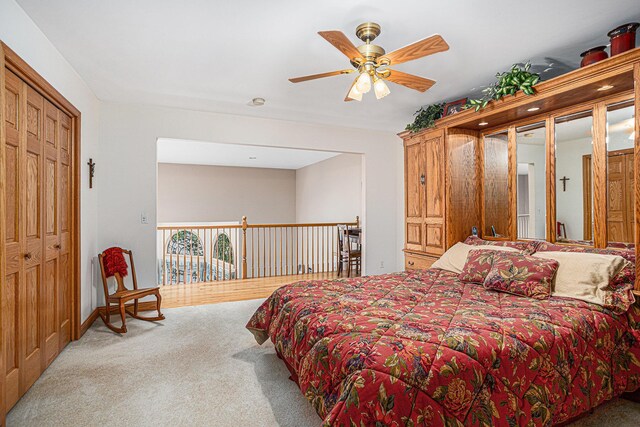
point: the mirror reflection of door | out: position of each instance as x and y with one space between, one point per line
496 185
574 178
620 178
531 185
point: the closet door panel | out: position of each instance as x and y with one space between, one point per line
13 239
64 230
51 233
31 176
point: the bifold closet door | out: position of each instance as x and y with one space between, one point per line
36 303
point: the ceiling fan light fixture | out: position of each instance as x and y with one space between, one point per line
354 93
363 82
381 89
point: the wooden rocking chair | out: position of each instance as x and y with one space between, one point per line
123 295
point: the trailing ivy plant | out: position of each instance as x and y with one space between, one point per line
426 117
509 83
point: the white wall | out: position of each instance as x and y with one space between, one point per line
535 155
128 175
21 34
569 203
198 193
330 190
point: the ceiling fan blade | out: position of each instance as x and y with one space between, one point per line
409 80
320 76
424 47
342 43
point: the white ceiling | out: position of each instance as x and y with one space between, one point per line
218 55
210 153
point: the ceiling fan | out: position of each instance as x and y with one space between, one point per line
372 62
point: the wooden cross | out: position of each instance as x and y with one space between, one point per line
92 171
564 180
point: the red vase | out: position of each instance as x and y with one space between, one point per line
593 55
623 38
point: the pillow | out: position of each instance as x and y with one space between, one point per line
478 265
587 276
618 295
521 274
454 259
526 247
628 254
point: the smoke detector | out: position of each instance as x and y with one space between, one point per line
257 102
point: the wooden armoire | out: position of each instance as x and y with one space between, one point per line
441 193
39 234
464 172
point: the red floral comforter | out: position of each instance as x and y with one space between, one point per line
423 348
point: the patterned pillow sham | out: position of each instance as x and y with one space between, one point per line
628 254
618 296
526 247
521 274
477 266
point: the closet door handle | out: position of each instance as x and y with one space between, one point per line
27 256
57 246
422 179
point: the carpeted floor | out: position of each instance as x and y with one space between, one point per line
199 367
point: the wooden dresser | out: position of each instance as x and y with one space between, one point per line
441 200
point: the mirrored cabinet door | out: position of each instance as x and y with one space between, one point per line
620 179
574 178
496 185
531 183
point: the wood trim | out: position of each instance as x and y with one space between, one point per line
587 182
23 70
600 175
636 78
2 230
481 171
88 322
513 182
550 140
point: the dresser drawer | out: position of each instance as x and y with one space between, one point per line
418 262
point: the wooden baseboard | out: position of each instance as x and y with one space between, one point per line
87 323
142 306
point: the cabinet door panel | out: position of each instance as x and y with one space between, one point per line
414 156
434 186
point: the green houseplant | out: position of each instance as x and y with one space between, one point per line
509 83
426 117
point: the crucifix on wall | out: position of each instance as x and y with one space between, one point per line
92 171
564 180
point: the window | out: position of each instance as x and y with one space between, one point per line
185 242
223 249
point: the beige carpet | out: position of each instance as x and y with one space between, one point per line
199 367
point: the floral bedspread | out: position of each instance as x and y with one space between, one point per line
422 348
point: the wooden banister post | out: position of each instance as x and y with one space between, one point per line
244 247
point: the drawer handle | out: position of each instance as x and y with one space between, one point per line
57 246
410 263
27 256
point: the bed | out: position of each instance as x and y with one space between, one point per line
423 348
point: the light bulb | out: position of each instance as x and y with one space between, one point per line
381 89
354 93
363 83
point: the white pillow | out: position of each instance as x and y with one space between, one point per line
583 276
454 259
